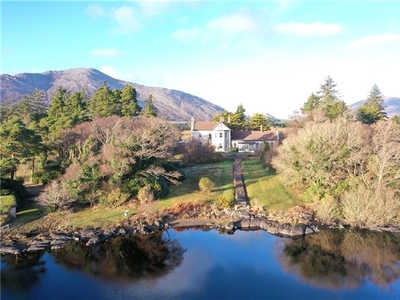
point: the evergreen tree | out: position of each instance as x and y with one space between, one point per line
259 122
330 102
129 103
30 108
312 103
104 103
149 109
225 117
238 119
17 143
76 108
372 110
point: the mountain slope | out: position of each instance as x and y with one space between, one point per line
392 105
172 104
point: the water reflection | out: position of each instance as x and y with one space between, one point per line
20 273
133 257
340 259
120 259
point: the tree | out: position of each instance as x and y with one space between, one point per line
372 110
324 157
312 104
330 102
238 119
30 108
104 103
129 103
223 116
149 109
17 143
259 122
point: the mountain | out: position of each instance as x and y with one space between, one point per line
172 104
391 104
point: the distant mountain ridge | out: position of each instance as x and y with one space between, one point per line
172 104
391 104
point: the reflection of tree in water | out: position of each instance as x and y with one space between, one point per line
345 258
134 257
19 273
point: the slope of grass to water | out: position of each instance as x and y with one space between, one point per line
264 188
188 190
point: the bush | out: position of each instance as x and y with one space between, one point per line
367 207
6 202
225 201
206 184
145 195
18 188
55 196
327 209
115 198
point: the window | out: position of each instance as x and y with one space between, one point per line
220 134
209 136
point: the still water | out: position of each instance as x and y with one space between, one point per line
206 264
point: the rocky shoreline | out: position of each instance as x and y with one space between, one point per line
225 220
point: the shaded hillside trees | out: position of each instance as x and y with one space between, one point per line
18 144
113 158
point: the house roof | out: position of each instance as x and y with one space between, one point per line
253 135
206 126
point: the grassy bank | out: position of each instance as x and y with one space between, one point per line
264 188
31 216
188 191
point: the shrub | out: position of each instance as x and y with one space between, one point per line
367 207
6 202
55 196
145 195
327 209
115 198
225 201
206 184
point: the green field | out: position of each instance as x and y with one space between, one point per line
264 188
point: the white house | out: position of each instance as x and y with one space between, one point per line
212 133
224 139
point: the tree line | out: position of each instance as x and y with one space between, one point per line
91 150
347 163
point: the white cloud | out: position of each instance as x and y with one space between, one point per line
309 29
219 28
372 40
233 23
95 10
106 52
110 71
126 18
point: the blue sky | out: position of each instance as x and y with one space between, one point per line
268 55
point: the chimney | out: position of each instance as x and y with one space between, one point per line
277 134
192 124
261 128
221 119
229 119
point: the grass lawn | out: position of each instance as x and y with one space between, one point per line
188 190
100 216
264 188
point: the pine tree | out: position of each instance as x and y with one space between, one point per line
104 103
330 102
372 110
259 122
238 119
129 103
149 109
312 103
17 143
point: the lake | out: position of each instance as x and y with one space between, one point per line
207 264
